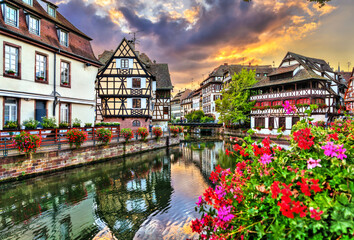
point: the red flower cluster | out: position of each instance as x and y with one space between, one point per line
76 137
143 132
157 131
309 184
127 133
333 136
104 135
174 130
26 142
304 138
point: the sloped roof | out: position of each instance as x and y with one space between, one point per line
79 43
345 76
162 75
104 57
284 70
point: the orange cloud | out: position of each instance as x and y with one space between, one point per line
191 15
104 3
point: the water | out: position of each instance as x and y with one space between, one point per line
147 196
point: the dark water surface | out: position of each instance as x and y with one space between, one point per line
147 196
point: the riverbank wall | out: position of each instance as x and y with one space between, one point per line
18 167
285 139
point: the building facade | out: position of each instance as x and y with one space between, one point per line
349 95
48 65
176 108
131 89
301 81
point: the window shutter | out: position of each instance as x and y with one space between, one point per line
118 63
129 82
131 63
129 103
143 103
143 82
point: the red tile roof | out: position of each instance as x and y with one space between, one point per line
79 43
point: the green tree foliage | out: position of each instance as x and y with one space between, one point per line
234 107
195 116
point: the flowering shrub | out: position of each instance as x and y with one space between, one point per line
76 137
127 133
104 135
174 130
180 129
143 132
157 131
301 193
26 142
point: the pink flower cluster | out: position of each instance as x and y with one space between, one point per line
312 163
289 108
333 150
266 158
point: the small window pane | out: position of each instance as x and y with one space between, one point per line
63 38
11 60
51 11
136 83
29 2
136 103
11 16
125 63
65 72
41 67
34 25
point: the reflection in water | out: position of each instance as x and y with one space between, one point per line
148 196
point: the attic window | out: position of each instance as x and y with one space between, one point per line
29 2
63 38
51 11
11 16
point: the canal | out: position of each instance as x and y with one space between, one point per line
146 196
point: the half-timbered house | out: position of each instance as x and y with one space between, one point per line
176 108
349 95
48 67
131 89
301 81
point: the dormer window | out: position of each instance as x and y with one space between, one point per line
34 25
63 38
11 16
29 2
51 11
124 63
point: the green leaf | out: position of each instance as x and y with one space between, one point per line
341 226
343 199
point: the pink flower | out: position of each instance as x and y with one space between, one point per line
332 150
289 108
200 201
224 214
311 163
315 213
266 158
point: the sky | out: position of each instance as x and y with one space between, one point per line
196 36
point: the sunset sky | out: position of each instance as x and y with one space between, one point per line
195 36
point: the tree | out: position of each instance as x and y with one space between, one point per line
195 116
234 106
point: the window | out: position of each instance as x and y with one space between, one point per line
10 111
41 68
29 2
265 74
282 122
11 60
33 25
276 103
264 104
65 112
165 110
260 122
136 103
63 38
318 101
11 16
124 63
136 83
136 123
51 11
303 101
295 120
65 74
258 74
271 122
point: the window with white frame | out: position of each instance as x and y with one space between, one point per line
11 60
41 67
11 16
51 11
10 110
29 2
63 38
64 112
33 25
124 63
65 73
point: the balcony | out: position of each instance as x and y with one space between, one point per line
298 93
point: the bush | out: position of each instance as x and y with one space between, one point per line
301 193
127 133
26 142
143 132
157 131
76 137
31 124
99 124
88 125
63 125
77 123
10 125
174 130
180 129
104 135
48 122
207 119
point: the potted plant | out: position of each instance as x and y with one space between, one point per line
143 133
76 137
127 133
88 125
11 72
65 83
99 124
27 143
63 125
76 123
270 128
174 130
258 128
40 78
157 131
48 123
10 125
30 124
104 136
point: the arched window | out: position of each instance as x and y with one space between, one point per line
136 123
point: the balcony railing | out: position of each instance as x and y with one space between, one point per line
298 93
